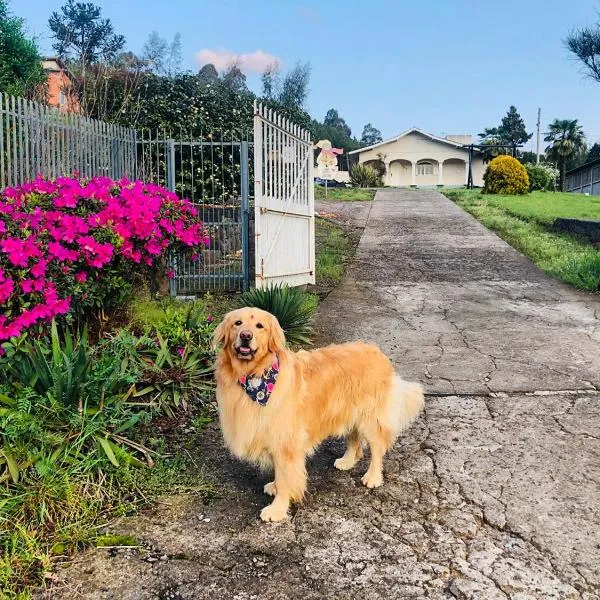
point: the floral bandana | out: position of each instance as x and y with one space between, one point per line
260 387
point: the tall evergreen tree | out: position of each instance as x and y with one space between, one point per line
370 135
82 35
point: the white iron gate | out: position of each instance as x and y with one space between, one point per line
284 201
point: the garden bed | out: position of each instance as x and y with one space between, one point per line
104 394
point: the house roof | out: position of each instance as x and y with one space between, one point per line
407 132
53 59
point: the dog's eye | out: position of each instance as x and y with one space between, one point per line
238 323
259 326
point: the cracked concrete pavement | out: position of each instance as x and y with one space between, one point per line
493 494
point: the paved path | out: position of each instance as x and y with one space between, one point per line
494 494
458 308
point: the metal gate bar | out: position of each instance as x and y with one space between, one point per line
213 172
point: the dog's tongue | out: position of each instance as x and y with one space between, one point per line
244 350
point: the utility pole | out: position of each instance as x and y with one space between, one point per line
537 151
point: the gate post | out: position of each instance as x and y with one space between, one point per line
245 178
170 166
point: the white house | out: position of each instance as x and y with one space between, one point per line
416 158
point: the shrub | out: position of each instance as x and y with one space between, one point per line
363 176
292 307
541 176
69 246
64 404
506 175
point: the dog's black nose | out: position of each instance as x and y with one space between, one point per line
245 336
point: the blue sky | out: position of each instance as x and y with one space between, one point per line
446 66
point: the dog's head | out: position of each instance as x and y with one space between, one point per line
248 335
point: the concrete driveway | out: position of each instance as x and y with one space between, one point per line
493 494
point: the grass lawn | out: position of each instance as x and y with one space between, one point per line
334 249
523 222
545 207
344 194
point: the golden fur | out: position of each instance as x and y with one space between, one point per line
342 390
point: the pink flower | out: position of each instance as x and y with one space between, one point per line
81 276
170 274
6 289
270 387
181 351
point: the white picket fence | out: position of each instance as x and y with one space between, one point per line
284 201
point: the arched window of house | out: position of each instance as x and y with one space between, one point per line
425 168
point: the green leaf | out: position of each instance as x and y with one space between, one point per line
13 467
105 444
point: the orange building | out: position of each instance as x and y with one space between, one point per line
59 84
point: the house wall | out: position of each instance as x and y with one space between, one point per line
58 84
402 156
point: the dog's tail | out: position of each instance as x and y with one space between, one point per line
407 402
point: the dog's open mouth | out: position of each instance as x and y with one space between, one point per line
245 352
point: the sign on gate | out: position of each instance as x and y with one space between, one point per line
284 201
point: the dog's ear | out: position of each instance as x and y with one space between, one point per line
276 335
221 333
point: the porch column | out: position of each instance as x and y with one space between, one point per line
388 174
414 174
467 172
440 172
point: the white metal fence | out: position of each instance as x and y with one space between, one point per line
38 139
284 201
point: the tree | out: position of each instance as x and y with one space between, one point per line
594 153
208 74
271 82
584 43
567 141
294 89
292 92
235 79
20 67
512 129
333 119
82 35
161 57
491 137
370 135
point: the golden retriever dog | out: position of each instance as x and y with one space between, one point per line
277 406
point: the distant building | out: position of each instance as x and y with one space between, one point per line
59 85
584 179
419 159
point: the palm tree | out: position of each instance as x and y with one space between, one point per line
567 140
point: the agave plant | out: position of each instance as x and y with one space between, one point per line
292 307
171 380
363 176
65 405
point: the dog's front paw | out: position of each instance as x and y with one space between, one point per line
270 489
344 464
273 513
372 480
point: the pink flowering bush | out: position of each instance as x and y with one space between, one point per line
69 246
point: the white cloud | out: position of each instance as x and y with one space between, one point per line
249 62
